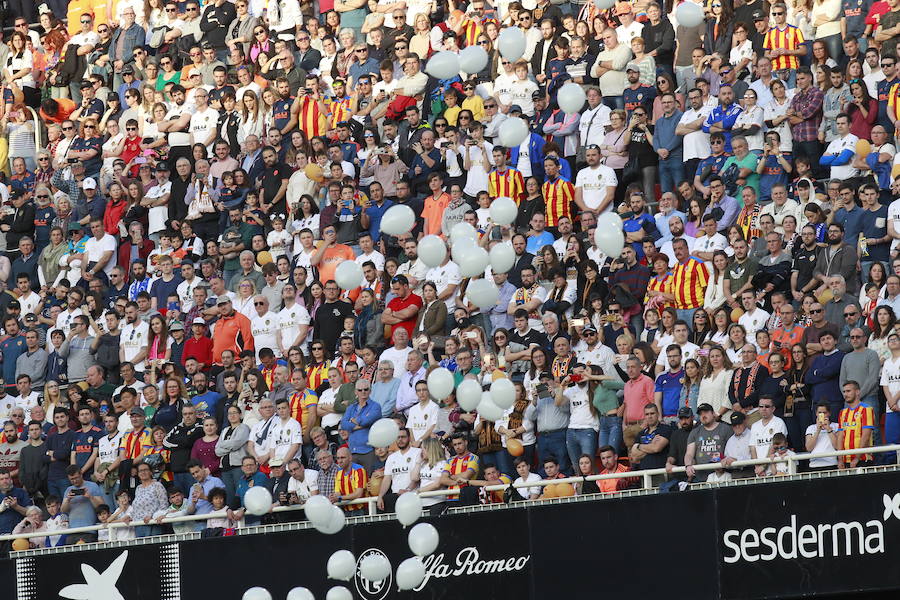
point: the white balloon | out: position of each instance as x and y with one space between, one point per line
408 508
257 593
472 59
336 521
423 539
511 43
341 565
432 250
503 210
258 500
503 257
503 393
348 275
440 383
443 65
473 260
488 410
398 219
375 567
318 510
468 394
512 131
300 593
460 248
604 4
689 14
338 592
571 98
483 293
462 231
383 433
410 573
609 235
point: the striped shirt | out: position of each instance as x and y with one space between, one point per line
852 423
470 32
789 38
346 482
559 195
310 118
459 465
748 221
340 111
664 285
508 184
136 444
689 280
317 375
299 402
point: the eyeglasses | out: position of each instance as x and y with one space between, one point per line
883 65
165 62
192 8
361 50
131 129
442 124
259 32
318 348
303 39
716 142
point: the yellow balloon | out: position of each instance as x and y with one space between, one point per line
515 448
895 171
550 491
825 297
264 257
736 314
564 489
863 147
20 544
314 172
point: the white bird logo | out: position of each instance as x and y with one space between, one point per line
97 586
891 506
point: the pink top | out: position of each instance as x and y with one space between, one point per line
638 394
205 452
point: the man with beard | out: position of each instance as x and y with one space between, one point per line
177 209
293 320
676 228
206 401
397 469
529 297
11 448
176 124
413 269
838 258
330 317
595 184
231 332
806 257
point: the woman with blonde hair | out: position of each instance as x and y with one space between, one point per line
48 260
429 466
714 384
420 44
244 301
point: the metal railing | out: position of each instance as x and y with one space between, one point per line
646 477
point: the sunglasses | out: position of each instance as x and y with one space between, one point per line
777 14
483 43
259 304
398 47
43 158
104 30
85 22
89 127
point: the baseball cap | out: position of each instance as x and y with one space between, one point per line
704 407
162 166
737 418
515 108
632 66
127 69
276 462
14 304
622 8
538 93
75 227
758 15
16 193
223 299
85 84
198 321
137 411
685 412
89 183
589 328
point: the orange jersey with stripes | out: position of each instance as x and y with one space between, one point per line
137 444
789 38
558 198
852 423
655 284
310 118
470 32
893 101
340 111
348 481
506 184
459 465
689 281
299 402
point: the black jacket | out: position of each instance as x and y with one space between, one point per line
181 441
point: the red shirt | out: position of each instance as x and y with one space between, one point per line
398 304
201 349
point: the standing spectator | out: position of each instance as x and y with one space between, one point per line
855 426
706 444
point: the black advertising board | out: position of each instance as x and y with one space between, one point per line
831 535
836 536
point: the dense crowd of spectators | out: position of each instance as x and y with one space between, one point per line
173 333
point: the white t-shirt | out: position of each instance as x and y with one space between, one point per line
420 419
823 444
524 162
133 339
477 176
399 465
527 492
688 350
890 376
580 415
304 489
593 184
94 249
375 256
429 475
158 215
185 291
326 400
290 320
263 329
755 322
838 145
29 302
894 217
283 434
202 124
16 63
27 403
65 319
398 357
179 138
761 435
108 449
443 276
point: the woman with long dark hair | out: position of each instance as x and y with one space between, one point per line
862 110
719 28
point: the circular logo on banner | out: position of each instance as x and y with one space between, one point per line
372 590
